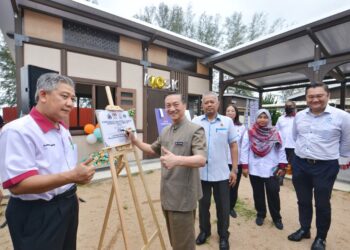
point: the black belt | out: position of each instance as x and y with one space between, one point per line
65 195
314 162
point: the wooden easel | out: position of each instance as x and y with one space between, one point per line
120 152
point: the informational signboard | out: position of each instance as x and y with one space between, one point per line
164 120
113 125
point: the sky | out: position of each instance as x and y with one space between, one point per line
293 11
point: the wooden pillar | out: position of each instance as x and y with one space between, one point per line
260 98
221 92
316 73
342 95
210 79
19 58
145 49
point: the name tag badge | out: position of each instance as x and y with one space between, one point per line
179 143
220 129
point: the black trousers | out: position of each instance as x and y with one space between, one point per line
43 224
234 189
272 188
221 190
314 179
290 154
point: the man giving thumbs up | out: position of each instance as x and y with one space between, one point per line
182 147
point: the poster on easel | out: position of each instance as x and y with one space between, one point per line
113 125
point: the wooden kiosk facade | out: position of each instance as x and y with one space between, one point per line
98 49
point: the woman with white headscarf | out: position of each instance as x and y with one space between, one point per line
264 159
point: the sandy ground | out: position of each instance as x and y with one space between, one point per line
244 233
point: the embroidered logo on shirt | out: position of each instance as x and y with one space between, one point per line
71 142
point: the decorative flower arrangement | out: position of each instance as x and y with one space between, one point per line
132 112
100 159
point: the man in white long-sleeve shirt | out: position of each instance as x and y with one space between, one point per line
322 136
284 126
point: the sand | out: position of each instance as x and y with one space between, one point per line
244 233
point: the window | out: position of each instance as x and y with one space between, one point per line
82 113
101 97
88 37
194 105
126 98
84 110
182 61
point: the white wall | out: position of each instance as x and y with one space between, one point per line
42 57
132 78
91 67
197 85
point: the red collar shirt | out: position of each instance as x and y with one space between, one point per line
32 145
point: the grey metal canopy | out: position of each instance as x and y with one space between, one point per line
310 52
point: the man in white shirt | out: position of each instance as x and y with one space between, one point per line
39 167
284 126
215 175
321 134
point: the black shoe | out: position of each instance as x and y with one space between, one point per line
278 224
233 213
224 245
299 235
259 221
202 238
319 244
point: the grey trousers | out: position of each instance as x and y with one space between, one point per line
181 229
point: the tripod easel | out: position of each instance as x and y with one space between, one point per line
120 152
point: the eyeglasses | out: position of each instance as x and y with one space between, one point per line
311 97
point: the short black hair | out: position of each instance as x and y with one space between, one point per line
182 97
316 85
290 102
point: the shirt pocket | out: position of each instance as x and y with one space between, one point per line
221 135
326 132
51 156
